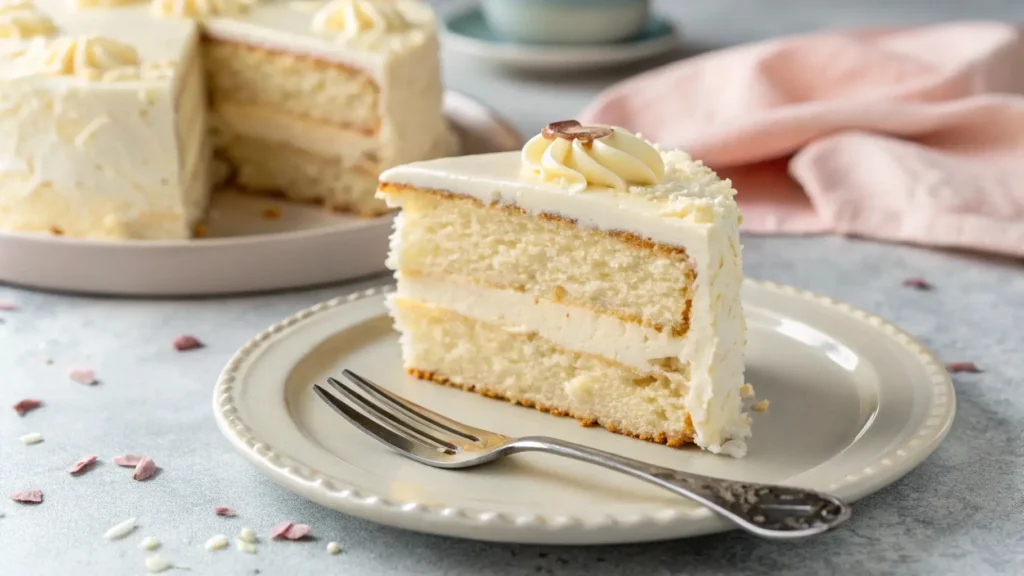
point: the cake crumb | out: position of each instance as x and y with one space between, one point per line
82 376
144 469
157 563
272 213
118 531
56 231
289 531
34 496
82 465
248 535
747 391
761 406
917 284
149 543
243 546
955 367
185 342
128 460
199 231
218 542
27 405
333 548
31 438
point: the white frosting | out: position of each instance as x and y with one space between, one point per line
691 208
617 161
198 8
86 4
19 19
85 56
98 126
351 18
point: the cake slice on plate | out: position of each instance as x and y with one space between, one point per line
590 275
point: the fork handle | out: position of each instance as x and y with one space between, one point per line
770 511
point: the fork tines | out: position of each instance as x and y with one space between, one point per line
392 419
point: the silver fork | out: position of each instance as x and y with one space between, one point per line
778 512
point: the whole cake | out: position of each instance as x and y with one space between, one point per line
592 275
115 115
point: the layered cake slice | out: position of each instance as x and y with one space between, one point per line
590 275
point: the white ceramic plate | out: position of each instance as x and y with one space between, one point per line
243 251
467 32
855 404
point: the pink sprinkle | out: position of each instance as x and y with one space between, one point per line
918 283
81 465
128 460
186 342
28 496
82 376
224 511
289 531
144 469
954 367
7 306
27 405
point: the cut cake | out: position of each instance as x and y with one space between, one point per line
115 115
591 275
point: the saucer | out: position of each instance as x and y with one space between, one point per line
468 32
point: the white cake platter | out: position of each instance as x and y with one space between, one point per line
244 251
856 403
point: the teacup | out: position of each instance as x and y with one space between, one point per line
565 21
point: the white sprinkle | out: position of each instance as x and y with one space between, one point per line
248 535
121 530
243 546
333 548
149 543
157 563
218 542
31 438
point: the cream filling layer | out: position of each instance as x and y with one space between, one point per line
263 123
570 327
712 397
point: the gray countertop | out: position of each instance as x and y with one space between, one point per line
958 513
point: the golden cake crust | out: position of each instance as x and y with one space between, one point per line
685 437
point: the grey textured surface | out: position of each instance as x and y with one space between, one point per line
958 513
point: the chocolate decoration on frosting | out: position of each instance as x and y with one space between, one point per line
573 130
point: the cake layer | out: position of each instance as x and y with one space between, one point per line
260 122
569 327
265 167
302 85
527 369
548 257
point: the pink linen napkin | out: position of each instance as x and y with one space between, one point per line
912 135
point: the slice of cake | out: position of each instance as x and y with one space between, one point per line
591 275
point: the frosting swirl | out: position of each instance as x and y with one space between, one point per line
87 56
19 19
83 4
198 8
351 18
581 156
